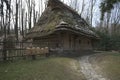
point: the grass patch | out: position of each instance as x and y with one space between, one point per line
109 64
42 69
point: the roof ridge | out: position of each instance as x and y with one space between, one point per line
56 3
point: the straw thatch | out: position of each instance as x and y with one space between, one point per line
58 16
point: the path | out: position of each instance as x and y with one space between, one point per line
88 70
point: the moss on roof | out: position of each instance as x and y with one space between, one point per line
55 13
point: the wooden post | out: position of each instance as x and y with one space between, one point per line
4 51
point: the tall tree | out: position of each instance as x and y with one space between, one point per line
16 20
4 23
106 6
83 6
8 31
91 10
29 7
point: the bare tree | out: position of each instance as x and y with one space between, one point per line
29 6
25 22
74 4
4 23
16 21
92 6
8 31
115 19
76 8
83 5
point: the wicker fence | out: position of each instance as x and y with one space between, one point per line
16 50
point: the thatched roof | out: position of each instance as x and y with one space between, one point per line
58 16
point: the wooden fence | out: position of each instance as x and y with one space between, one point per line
15 50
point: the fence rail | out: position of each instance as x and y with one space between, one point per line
10 50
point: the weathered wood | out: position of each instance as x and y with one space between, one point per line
20 50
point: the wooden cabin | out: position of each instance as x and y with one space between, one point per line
61 28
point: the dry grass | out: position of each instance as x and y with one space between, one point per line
108 64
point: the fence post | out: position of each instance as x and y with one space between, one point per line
4 51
